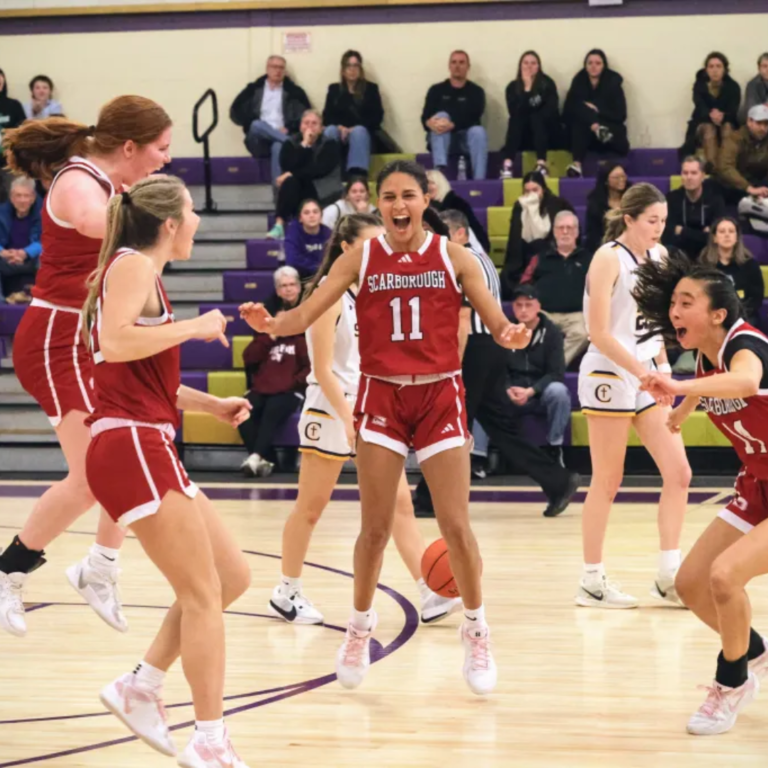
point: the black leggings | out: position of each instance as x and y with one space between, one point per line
532 131
290 196
583 140
268 415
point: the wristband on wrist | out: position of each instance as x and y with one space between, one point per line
665 368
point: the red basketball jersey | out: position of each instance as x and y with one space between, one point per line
140 390
68 257
408 310
744 421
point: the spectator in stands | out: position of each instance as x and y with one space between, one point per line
443 198
20 248
560 278
611 184
356 199
269 110
530 230
726 251
311 165
534 118
451 116
305 240
692 209
11 116
287 290
716 99
595 111
537 373
276 370
42 104
743 165
756 91
353 113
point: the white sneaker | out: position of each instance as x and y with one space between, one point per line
201 753
11 604
250 466
354 657
479 666
97 585
294 608
664 589
140 711
760 665
722 706
264 469
435 607
602 593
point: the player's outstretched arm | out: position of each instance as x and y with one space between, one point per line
230 410
742 380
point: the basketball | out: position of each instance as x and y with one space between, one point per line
436 569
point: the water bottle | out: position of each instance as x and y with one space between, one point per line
506 170
462 175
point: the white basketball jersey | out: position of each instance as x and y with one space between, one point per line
346 354
627 324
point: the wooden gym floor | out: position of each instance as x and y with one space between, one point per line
577 687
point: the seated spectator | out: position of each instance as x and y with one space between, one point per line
276 370
756 91
356 199
716 99
269 110
20 248
692 209
743 164
530 230
595 111
725 251
305 240
560 279
11 116
353 113
443 198
311 170
451 116
610 186
537 373
534 117
42 103
287 291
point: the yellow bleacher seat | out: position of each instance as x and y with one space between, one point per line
204 429
675 182
558 161
764 270
513 188
239 343
226 383
379 161
498 221
498 250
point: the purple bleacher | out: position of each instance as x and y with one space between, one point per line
271 218
195 380
758 246
535 429
10 317
263 254
479 193
482 216
206 355
451 172
581 214
248 286
576 191
653 162
4 346
224 170
235 326
288 434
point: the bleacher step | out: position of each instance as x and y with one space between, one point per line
194 286
25 424
32 458
11 391
230 197
207 255
232 226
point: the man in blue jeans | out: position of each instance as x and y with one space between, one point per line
452 113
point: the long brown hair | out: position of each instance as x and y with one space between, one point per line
134 219
711 253
361 83
39 148
636 199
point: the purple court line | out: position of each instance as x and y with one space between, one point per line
406 633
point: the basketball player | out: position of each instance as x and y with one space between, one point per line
611 399
130 140
698 308
327 435
410 395
134 471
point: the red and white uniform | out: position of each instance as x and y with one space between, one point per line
49 355
132 462
744 421
411 393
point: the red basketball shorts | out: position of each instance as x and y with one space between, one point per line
52 361
749 505
131 469
431 418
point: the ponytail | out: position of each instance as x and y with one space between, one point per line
635 201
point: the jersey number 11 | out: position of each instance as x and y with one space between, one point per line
397 320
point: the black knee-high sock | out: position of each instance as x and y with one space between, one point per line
756 645
732 673
18 559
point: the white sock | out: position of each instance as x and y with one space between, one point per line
669 560
213 729
424 590
289 585
149 678
104 555
594 571
475 617
362 620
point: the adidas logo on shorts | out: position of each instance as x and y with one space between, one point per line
448 428
379 421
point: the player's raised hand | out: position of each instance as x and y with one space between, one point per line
514 336
211 327
257 317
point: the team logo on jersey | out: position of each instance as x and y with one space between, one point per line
448 428
405 259
379 421
388 281
312 431
721 407
603 393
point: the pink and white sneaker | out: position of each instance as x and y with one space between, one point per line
722 706
141 711
200 752
760 665
353 659
479 666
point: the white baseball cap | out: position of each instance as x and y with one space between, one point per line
759 112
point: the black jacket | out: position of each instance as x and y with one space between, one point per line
693 218
11 114
748 281
727 101
560 282
247 106
455 202
465 105
341 108
608 97
542 361
541 100
320 164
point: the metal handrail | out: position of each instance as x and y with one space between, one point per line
203 139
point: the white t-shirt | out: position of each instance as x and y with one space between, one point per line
272 106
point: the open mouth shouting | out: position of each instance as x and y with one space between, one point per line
401 222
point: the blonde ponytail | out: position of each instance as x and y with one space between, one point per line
635 201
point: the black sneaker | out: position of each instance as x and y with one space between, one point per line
574 172
558 504
422 507
555 452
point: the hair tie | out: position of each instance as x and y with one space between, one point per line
91 130
126 198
